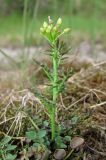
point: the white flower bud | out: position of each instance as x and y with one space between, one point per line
42 30
54 28
45 24
49 28
66 30
59 21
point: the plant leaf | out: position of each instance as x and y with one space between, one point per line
10 147
31 135
67 138
10 157
62 146
5 140
46 123
42 133
75 119
36 144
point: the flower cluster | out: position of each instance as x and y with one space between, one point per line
53 31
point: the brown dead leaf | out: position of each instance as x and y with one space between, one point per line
76 142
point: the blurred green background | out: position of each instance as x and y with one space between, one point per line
20 20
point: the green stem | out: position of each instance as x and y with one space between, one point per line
25 15
55 89
53 126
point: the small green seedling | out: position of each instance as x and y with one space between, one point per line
52 32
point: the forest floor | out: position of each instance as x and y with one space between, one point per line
85 96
